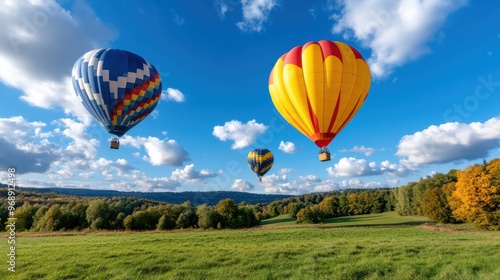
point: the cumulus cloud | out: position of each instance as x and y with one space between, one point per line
39 44
287 147
82 142
119 167
393 169
361 149
357 183
243 135
307 184
147 184
241 185
385 27
255 14
191 175
281 184
273 183
450 142
352 167
30 148
24 161
173 94
284 171
25 147
158 184
79 152
159 152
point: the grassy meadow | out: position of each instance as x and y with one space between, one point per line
377 246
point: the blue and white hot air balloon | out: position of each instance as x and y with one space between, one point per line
117 87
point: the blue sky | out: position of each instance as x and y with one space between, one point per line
432 106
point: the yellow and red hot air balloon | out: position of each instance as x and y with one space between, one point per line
318 88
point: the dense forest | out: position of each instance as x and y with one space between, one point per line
196 198
471 195
50 211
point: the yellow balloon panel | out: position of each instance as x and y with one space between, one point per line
281 99
319 87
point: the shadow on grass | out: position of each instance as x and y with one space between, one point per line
414 223
371 220
388 219
277 220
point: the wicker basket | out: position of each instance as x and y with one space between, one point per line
324 156
114 145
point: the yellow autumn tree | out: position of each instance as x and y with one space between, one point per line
477 195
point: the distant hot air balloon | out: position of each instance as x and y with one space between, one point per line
117 87
318 88
260 161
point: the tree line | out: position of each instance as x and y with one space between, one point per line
315 207
471 195
62 213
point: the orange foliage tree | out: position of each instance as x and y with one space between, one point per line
476 197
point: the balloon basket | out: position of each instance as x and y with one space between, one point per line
324 156
115 144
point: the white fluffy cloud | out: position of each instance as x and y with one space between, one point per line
80 151
67 155
119 167
241 185
191 175
361 149
352 167
312 183
396 31
450 142
40 42
357 183
242 134
159 152
273 183
145 183
173 94
287 147
255 14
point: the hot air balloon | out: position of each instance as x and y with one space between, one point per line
318 88
117 87
260 161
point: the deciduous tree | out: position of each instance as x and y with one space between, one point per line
476 198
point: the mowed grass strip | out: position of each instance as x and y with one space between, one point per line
365 248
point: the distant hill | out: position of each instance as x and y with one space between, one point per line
196 198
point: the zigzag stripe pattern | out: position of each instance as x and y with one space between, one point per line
117 87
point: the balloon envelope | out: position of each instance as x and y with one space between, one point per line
117 87
319 87
260 161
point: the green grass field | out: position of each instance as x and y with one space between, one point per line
378 246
